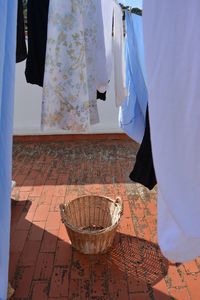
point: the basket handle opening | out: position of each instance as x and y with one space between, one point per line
62 212
119 202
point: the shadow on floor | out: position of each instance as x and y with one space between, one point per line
73 163
139 258
43 265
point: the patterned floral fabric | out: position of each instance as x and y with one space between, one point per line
69 94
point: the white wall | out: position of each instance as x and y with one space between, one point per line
27 114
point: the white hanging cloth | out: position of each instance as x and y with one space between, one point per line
75 43
107 8
104 44
8 21
114 48
119 57
172 43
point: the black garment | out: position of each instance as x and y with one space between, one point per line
21 52
101 96
143 171
37 18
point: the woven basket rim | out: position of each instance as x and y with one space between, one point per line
117 202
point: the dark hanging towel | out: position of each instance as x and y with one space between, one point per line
143 171
37 21
21 52
101 96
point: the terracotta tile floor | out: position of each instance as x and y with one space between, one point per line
42 263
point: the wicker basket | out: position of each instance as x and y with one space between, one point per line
10 291
91 222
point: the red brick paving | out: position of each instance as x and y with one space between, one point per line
43 264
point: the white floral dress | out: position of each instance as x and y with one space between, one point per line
69 92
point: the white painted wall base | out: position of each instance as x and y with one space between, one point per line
27 115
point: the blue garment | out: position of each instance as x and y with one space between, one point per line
8 17
132 113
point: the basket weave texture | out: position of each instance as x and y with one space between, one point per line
91 222
10 291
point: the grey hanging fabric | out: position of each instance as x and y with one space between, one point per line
21 51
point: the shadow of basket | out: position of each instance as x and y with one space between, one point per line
138 258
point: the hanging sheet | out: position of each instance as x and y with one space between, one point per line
69 98
8 24
119 57
114 49
172 43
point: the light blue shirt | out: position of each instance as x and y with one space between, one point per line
132 113
8 14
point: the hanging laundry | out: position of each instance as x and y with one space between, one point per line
37 20
8 21
107 16
119 56
114 50
21 52
132 112
37 15
173 72
103 31
143 171
69 97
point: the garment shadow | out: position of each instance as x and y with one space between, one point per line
132 263
74 163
